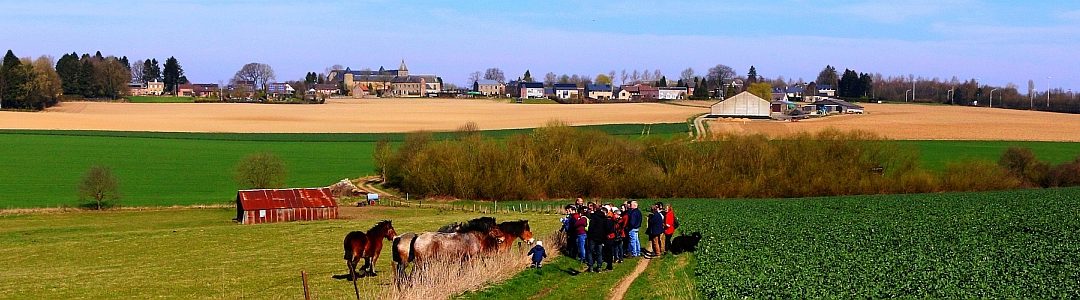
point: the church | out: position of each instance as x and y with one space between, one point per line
386 83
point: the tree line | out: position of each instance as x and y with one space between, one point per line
563 162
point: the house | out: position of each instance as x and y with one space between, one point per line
489 87
647 93
155 88
326 89
782 106
628 92
279 90
136 89
530 90
671 93
826 90
565 91
185 90
203 90
282 205
832 105
598 91
743 105
408 86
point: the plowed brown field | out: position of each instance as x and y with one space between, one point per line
368 115
927 122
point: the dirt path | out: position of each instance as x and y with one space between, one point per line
624 284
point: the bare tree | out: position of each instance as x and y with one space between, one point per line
720 74
137 70
260 171
635 76
611 77
475 76
657 74
495 74
99 186
623 76
258 74
646 75
687 75
550 78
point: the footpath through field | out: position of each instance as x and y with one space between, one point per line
620 290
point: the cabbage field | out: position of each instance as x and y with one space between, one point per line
1011 244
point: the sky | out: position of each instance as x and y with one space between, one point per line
997 42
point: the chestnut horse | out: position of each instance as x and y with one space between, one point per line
463 241
367 245
512 230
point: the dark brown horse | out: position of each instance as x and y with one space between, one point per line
457 242
367 245
512 230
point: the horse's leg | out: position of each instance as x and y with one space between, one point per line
367 268
374 259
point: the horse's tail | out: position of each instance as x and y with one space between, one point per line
348 249
412 247
394 249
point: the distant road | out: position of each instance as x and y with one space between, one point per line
346 116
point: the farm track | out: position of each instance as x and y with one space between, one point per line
620 289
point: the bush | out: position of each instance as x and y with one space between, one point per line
977 176
1022 163
99 189
261 171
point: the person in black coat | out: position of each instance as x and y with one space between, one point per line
538 254
599 229
656 231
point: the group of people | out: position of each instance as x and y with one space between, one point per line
605 233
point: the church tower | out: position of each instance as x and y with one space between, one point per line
402 70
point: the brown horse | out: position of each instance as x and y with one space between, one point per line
512 230
458 241
367 245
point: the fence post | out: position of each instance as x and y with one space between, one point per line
307 293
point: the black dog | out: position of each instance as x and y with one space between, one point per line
685 243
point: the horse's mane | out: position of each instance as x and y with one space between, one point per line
481 224
515 227
379 225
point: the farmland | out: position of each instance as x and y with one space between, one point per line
160 99
962 245
196 168
195 253
191 168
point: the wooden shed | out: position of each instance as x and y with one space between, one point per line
283 205
743 105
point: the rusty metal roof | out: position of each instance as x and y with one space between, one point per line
285 198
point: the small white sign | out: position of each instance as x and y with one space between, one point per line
262 213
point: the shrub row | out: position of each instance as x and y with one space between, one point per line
562 162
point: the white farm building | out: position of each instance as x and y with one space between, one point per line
743 105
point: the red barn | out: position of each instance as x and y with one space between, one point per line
282 205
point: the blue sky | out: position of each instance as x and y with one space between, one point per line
996 41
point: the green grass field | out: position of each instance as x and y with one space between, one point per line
157 168
195 253
936 154
160 99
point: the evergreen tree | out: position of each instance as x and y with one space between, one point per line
827 76
849 85
866 83
125 63
151 70
527 77
701 89
662 82
751 77
171 75
86 82
11 81
680 83
68 68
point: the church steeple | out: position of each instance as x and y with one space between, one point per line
403 70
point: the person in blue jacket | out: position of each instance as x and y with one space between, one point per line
632 225
538 254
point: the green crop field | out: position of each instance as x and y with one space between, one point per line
936 154
160 99
42 168
196 253
1010 244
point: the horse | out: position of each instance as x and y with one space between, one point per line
512 230
462 241
367 245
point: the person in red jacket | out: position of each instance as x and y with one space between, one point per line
669 225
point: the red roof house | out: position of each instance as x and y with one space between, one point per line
283 205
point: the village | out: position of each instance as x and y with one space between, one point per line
798 101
